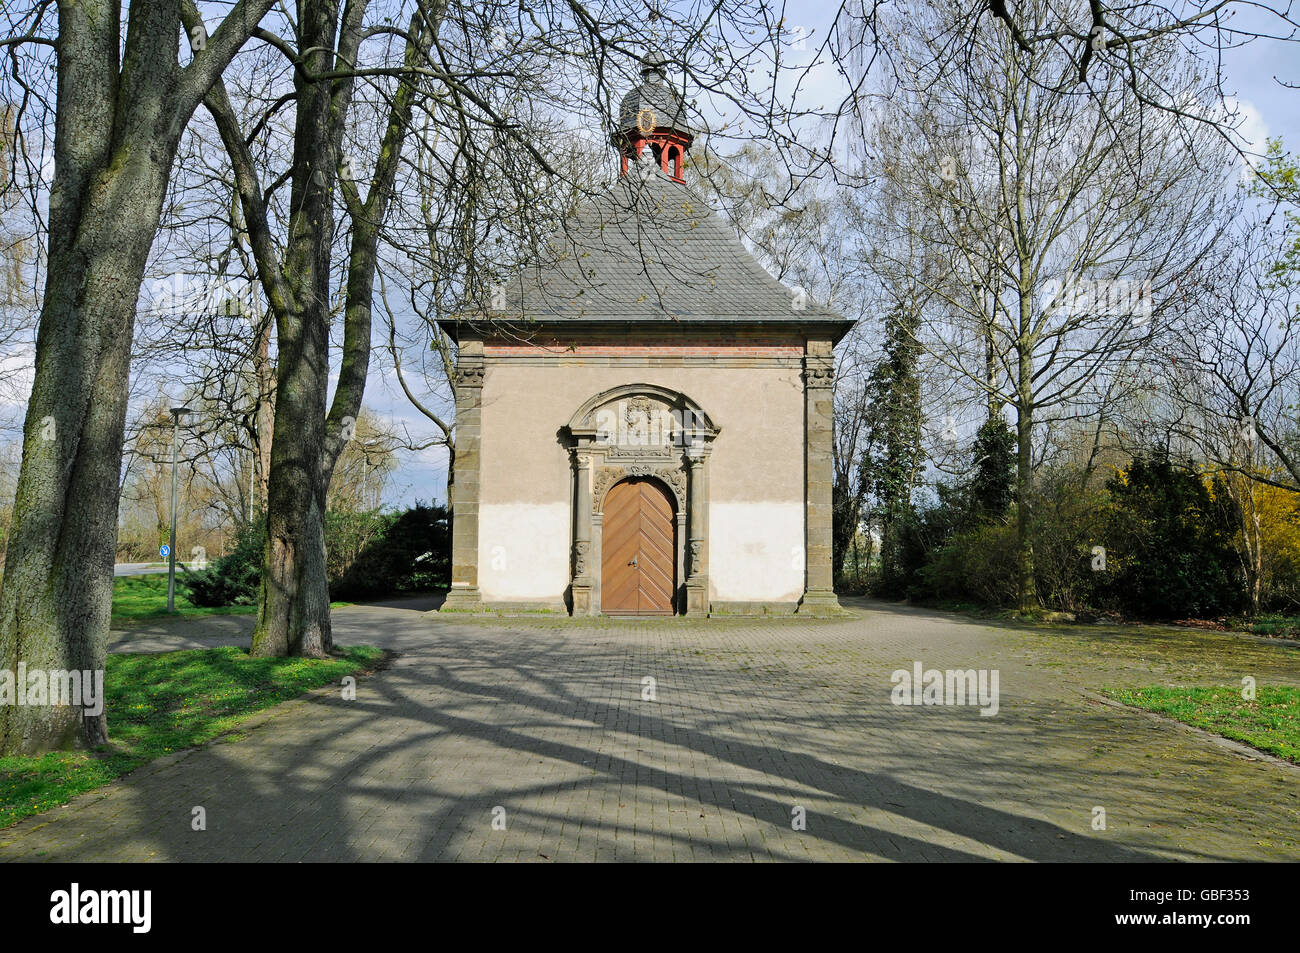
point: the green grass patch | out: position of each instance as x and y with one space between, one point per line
1270 722
162 703
137 598
141 598
1278 626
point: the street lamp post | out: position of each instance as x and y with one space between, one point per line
177 413
367 468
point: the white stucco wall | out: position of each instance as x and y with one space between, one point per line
756 551
756 474
523 550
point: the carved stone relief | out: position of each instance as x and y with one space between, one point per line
606 477
636 426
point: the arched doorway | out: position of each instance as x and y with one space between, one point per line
638 550
643 432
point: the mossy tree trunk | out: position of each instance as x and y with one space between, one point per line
293 613
121 109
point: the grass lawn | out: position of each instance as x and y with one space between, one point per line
1270 723
145 597
162 703
137 598
1278 626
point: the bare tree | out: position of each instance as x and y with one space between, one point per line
122 105
19 249
1226 379
326 53
1065 221
1231 364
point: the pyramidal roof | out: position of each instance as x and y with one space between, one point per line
651 251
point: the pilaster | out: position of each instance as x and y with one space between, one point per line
464 594
697 555
819 472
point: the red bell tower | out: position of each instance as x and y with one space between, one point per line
652 115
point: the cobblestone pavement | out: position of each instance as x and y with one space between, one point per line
541 726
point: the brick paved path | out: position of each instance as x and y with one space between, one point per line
545 719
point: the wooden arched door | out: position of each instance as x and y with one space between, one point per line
638 573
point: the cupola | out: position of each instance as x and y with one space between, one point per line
652 115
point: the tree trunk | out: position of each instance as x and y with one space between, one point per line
1254 547
844 525
1026 593
122 105
294 613
264 419
994 406
56 598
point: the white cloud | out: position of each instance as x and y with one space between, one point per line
1249 123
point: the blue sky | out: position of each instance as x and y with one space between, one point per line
1252 75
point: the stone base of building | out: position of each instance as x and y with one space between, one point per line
814 602
580 600
817 602
697 600
527 607
752 608
462 599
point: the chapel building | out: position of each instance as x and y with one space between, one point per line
645 427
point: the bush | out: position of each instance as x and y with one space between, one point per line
367 555
347 534
1170 543
979 564
412 553
1278 511
913 540
1168 533
234 579
1067 522
915 544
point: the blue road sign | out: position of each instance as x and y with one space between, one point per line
165 551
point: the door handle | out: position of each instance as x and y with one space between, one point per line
632 562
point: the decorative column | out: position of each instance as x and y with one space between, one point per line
464 595
697 496
819 472
581 585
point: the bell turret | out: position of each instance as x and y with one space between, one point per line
652 115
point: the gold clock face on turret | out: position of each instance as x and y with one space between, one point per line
646 120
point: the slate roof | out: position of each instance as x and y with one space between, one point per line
649 250
657 95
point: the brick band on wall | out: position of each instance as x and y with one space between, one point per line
676 343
